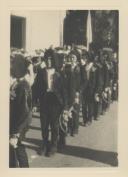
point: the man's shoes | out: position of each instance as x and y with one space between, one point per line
95 118
83 124
43 149
52 151
89 122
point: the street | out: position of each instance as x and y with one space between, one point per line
94 146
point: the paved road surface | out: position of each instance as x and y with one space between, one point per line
94 146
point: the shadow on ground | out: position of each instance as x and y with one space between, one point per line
34 128
96 155
110 158
34 141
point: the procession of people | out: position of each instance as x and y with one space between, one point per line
59 82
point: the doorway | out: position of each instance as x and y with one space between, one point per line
18 32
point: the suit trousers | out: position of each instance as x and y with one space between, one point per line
50 110
87 107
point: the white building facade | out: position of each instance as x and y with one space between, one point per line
42 28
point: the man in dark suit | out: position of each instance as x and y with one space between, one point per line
77 80
88 82
99 76
115 78
108 77
70 91
49 91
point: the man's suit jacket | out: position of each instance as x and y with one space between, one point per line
68 78
41 86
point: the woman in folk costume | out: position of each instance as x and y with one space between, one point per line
20 108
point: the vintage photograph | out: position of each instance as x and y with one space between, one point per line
63 88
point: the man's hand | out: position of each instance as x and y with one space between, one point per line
34 109
70 114
12 94
65 115
106 89
13 142
104 95
97 98
77 98
115 86
109 91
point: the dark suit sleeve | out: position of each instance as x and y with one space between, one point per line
99 84
77 78
83 78
36 88
106 77
63 90
35 91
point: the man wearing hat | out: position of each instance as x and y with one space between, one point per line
98 87
70 86
77 80
88 82
49 91
108 77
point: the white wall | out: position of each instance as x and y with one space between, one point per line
43 28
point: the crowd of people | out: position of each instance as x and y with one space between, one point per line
59 83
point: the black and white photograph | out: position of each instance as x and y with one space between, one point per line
63 103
